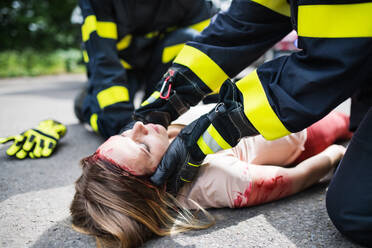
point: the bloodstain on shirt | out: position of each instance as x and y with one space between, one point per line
263 190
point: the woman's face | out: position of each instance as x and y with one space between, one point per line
138 150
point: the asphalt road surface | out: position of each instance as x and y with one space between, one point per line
35 194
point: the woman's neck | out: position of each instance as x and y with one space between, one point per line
173 130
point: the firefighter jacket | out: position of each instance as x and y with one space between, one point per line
119 39
288 93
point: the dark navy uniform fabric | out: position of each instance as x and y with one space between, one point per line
129 44
361 101
305 86
288 93
349 196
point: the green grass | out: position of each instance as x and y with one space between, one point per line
33 63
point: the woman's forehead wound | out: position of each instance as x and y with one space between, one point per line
109 152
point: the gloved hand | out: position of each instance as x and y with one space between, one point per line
220 129
174 95
36 142
176 167
181 161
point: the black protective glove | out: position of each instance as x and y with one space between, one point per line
178 165
174 95
221 128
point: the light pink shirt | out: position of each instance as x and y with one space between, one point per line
226 175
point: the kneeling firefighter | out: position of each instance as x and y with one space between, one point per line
280 97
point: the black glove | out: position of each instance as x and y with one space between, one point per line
174 95
181 162
220 129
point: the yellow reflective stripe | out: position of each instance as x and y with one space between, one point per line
155 95
112 95
152 34
107 30
85 56
88 27
335 21
217 137
203 66
170 52
183 179
279 6
257 108
93 122
103 29
124 43
125 64
203 146
201 25
194 165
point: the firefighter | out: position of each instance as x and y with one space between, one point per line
127 45
280 97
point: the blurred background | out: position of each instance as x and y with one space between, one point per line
39 37
43 38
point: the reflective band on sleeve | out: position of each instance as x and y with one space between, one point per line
88 27
124 43
152 34
193 165
171 52
279 6
258 110
93 122
183 179
211 141
203 146
112 95
103 29
125 64
107 30
155 95
222 144
85 56
203 66
201 25
335 21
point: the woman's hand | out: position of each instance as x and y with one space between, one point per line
334 153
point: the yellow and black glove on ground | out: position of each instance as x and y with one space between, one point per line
36 142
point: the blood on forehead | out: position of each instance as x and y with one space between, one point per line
101 156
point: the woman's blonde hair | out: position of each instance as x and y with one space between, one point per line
122 210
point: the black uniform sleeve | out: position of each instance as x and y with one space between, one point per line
240 35
300 89
99 33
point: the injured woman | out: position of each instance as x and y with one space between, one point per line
116 202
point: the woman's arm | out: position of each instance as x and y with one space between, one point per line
229 182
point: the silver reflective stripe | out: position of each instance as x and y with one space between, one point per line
211 143
151 99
